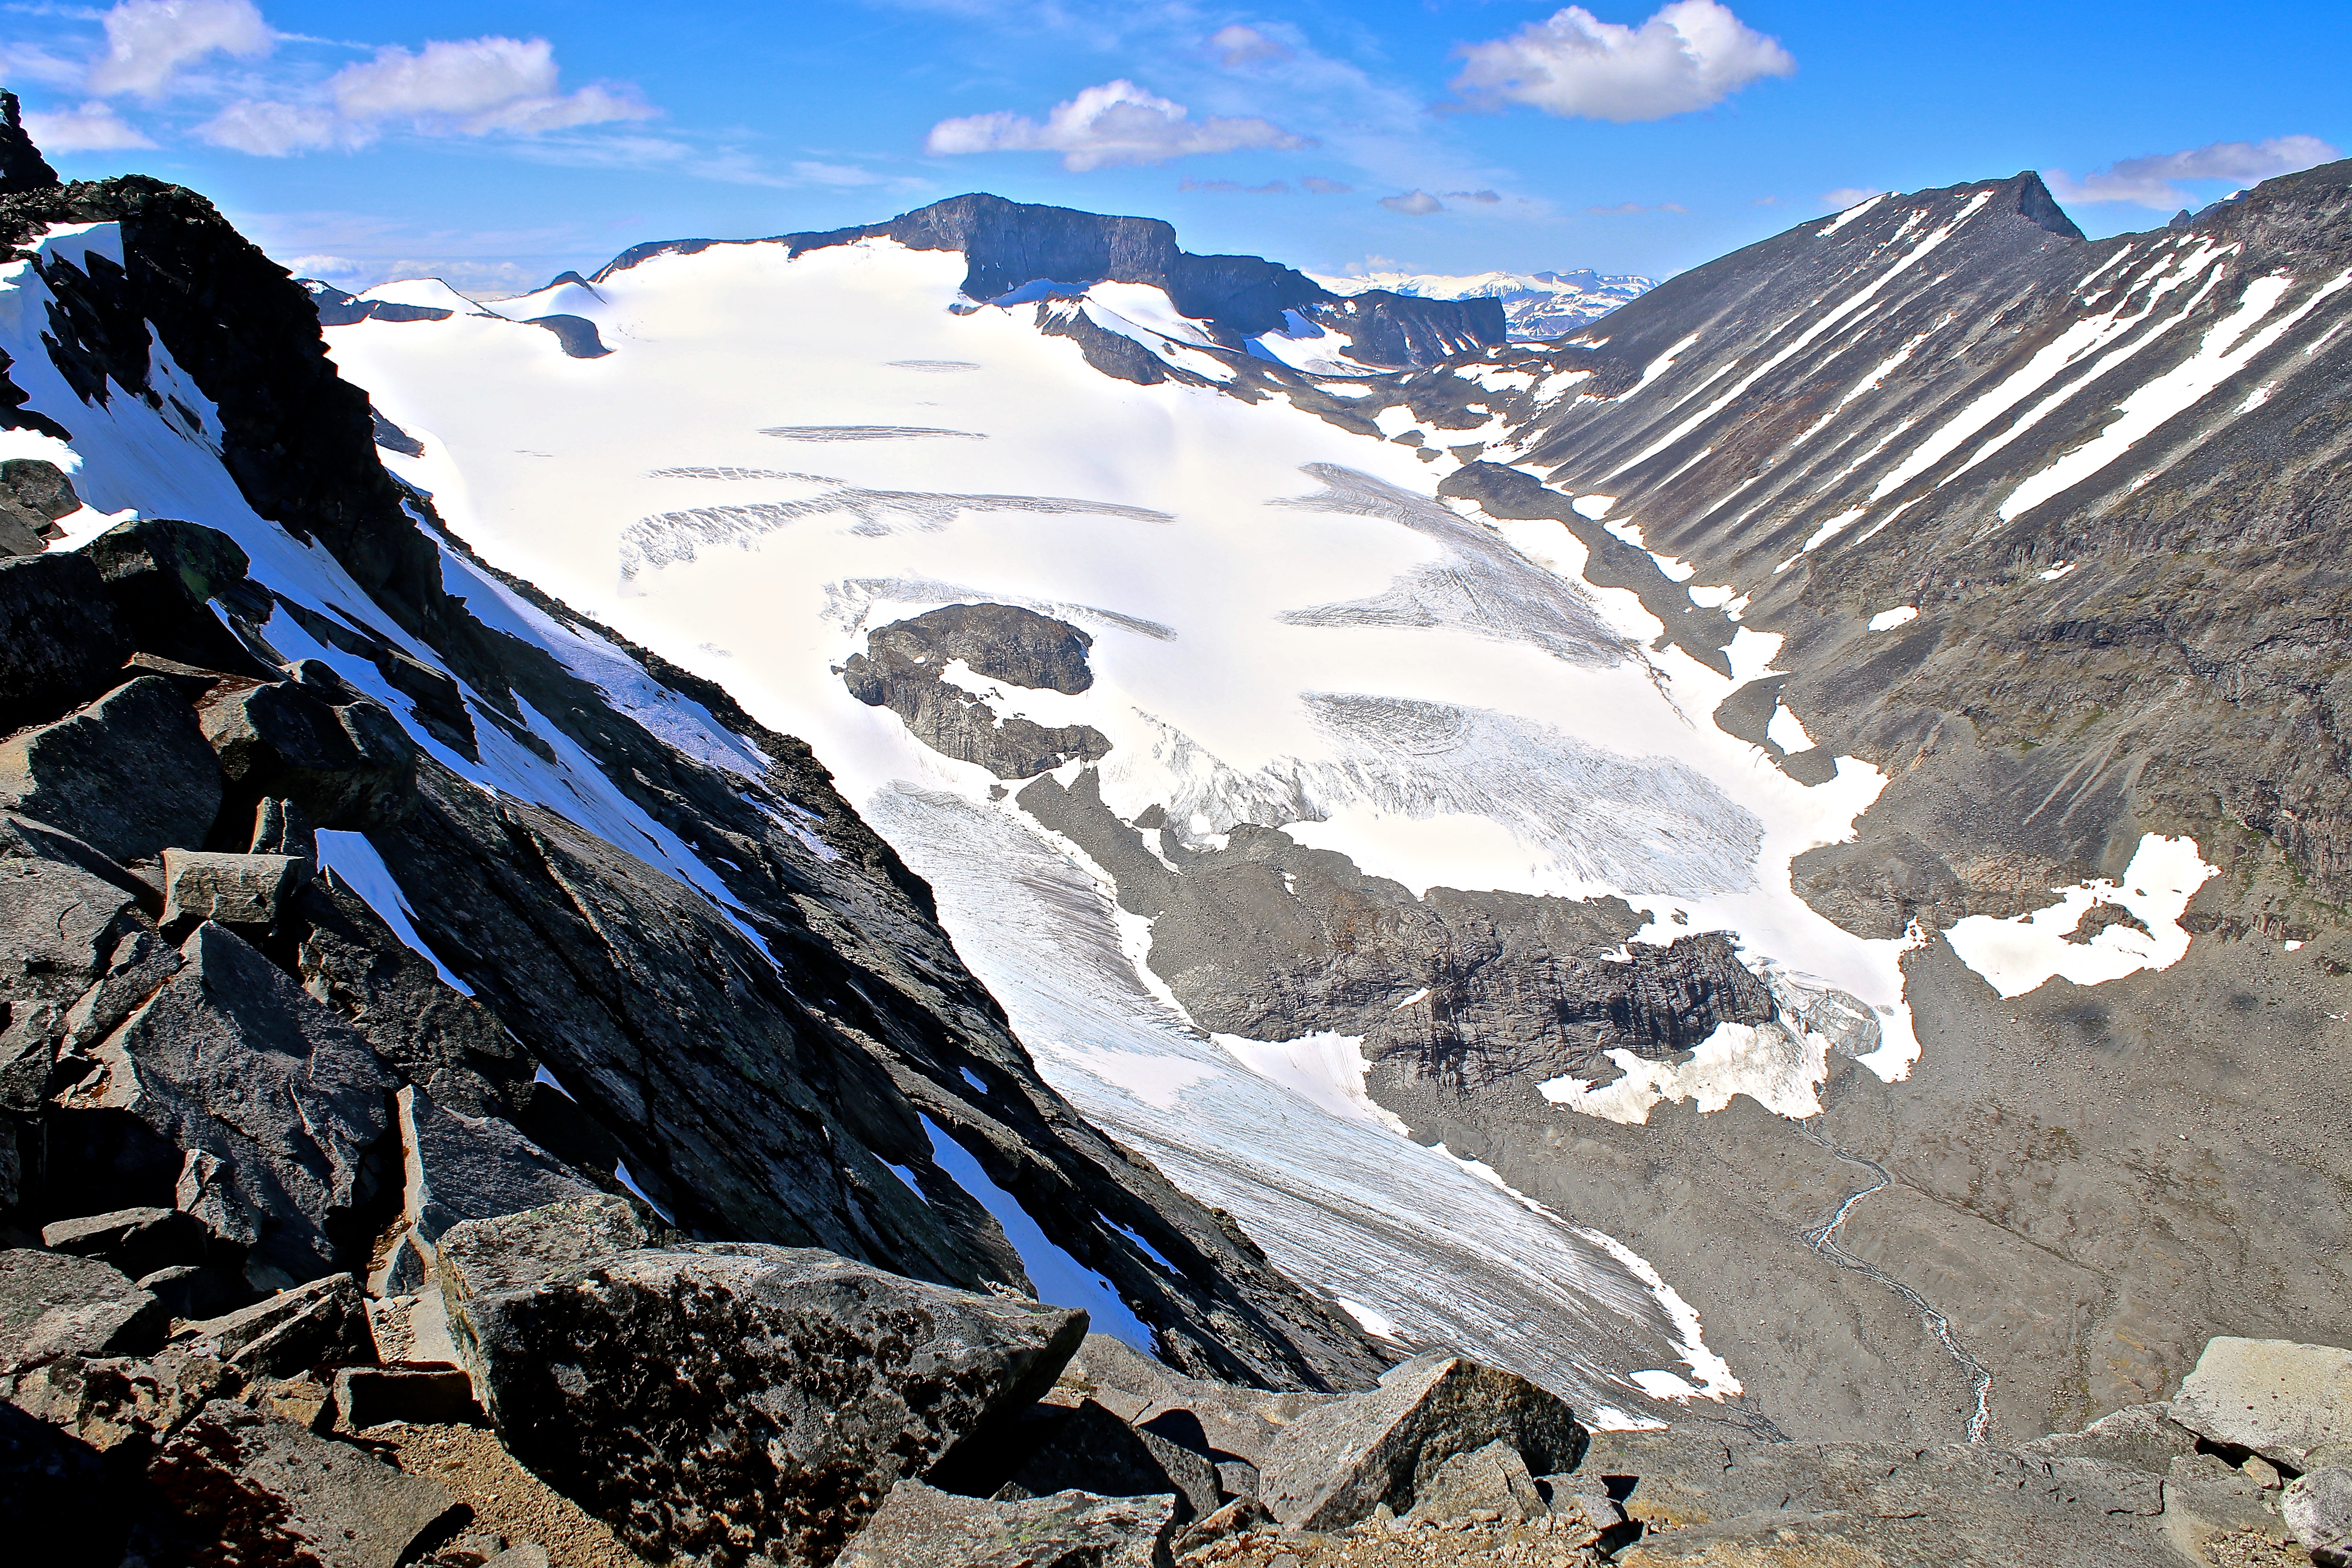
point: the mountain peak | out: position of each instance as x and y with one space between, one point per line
2034 201
22 167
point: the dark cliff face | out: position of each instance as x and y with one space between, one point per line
1011 244
22 167
755 1059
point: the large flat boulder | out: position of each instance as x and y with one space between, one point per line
1335 1463
341 757
53 1304
922 1527
1057 1448
319 1326
254 1489
110 1401
58 641
235 889
138 1241
2277 1397
461 1168
1235 1426
727 1402
131 772
233 1063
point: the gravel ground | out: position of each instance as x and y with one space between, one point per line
507 1500
1537 1545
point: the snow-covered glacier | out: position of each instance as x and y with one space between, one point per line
1290 628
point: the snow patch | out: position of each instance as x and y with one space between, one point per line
2015 956
1902 615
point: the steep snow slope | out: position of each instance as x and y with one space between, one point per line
1289 630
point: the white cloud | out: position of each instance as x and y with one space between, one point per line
279 130
92 128
1316 184
1413 204
1844 197
1115 123
147 41
1692 54
322 267
471 87
2149 181
1238 46
840 175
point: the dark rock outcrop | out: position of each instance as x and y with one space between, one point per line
131 772
922 1527
901 669
22 167
59 643
230 1061
54 1304
33 496
721 1399
1335 1463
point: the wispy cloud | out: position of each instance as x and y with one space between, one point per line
148 42
1844 197
1114 124
2150 182
1238 46
1317 186
473 87
1234 187
92 128
1692 54
1413 204
1631 209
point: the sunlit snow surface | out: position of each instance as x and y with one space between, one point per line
2017 955
1289 629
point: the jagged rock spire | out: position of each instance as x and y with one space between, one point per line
22 167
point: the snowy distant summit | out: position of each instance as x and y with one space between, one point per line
1537 305
1018 251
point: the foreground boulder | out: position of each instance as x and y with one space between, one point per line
254 1489
53 1304
1338 1462
58 640
235 889
2279 1398
920 1527
281 1108
728 1402
131 772
2318 1508
323 1324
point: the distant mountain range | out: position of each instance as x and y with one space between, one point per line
1537 305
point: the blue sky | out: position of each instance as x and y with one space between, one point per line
495 144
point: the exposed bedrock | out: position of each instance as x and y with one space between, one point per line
1269 939
902 671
